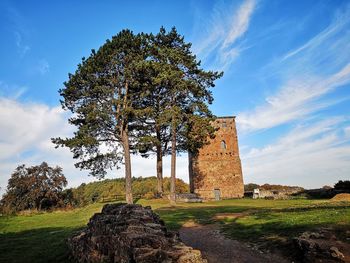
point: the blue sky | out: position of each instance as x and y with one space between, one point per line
287 79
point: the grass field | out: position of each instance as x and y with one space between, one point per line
41 237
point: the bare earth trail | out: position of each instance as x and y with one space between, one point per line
216 248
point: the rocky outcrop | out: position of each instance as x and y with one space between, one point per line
130 233
322 246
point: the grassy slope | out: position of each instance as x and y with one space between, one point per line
41 237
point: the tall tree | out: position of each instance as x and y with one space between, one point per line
182 89
154 135
102 95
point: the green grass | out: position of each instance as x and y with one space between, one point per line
275 228
42 237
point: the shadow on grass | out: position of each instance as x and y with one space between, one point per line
268 228
175 217
321 206
37 245
267 214
275 229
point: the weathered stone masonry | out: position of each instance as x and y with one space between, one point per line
217 170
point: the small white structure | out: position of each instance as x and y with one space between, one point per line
256 193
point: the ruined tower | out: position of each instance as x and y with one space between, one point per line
216 169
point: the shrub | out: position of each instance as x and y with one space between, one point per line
342 185
37 187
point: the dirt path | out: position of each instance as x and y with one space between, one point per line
216 248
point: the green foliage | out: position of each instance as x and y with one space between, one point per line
329 192
102 94
114 189
137 93
250 187
178 92
37 187
343 185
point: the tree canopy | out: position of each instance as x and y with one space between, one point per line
36 187
137 93
178 118
102 95
343 185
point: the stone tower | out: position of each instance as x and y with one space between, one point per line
216 169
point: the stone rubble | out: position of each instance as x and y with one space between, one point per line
322 246
129 233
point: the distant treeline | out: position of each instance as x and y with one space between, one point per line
40 188
114 189
277 187
328 191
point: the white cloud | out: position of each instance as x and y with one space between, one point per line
347 131
340 21
294 100
24 125
240 23
313 153
307 74
26 130
311 156
21 47
11 91
43 66
226 28
19 28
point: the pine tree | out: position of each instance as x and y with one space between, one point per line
103 96
179 92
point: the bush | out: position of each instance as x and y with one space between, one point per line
149 195
37 187
250 187
342 185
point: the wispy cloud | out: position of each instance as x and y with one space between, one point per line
296 99
11 91
341 20
240 23
307 74
220 43
43 66
19 29
310 155
21 47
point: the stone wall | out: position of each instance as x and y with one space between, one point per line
217 170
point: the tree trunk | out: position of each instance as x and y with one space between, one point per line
124 134
159 165
173 163
159 171
127 160
190 171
